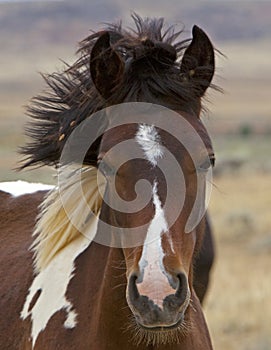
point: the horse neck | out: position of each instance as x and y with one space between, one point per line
98 292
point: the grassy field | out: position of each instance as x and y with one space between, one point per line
238 307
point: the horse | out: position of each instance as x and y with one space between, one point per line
78 271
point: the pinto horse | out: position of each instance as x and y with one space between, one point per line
80 293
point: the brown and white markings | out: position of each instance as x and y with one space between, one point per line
79 294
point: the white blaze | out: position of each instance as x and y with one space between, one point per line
154 282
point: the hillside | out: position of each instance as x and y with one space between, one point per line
26 25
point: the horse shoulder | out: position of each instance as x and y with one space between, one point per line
17 220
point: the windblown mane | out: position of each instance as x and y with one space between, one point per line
66 214
71 96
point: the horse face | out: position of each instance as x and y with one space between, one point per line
156 202
159 260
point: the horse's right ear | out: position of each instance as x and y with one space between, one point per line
106 66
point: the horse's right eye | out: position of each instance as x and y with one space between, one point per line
207 163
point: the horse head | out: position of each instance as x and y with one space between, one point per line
158 246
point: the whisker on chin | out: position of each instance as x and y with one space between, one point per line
150 337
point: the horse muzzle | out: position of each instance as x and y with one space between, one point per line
167 311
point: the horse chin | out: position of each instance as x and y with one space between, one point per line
162 328
162 334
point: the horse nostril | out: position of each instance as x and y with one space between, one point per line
182 289
179 300
133 291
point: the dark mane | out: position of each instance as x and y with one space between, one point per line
71 96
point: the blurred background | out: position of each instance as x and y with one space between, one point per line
35 35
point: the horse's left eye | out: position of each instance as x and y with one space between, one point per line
105 168
208 162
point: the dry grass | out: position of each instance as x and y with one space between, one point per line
238 309
245 76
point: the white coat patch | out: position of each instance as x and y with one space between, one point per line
18 188
53 282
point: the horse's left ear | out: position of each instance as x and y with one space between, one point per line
198 63
106 65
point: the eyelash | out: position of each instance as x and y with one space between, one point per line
206 164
